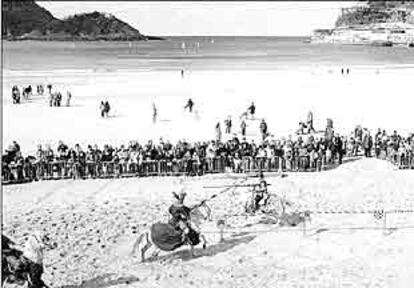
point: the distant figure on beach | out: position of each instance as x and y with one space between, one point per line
49 87
154 113
104 107
263 129
68 97
189 105
51 99
15 95
310 122
182 73
218 132
107 108
58 99
252 110
227 122
301 130
27 92
40 89
243 128
347 71
342 71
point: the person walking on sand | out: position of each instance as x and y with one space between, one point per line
182 73
189 105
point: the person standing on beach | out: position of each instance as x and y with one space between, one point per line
227 122
243 128
263 129
218 132
310 122
102 108
182 73
68 97
154 113
51 99
107 108
252 109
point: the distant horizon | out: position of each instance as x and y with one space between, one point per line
226 36
213 19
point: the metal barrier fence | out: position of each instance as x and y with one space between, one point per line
401 160
55 170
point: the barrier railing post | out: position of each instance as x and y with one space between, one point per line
304 227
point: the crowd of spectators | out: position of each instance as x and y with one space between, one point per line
237 155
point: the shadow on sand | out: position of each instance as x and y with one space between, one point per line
103 281
106 280
344 161
212 250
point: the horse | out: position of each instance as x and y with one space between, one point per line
145 242
26 266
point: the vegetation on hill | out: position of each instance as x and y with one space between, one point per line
21 17
375 12
24 19
381 23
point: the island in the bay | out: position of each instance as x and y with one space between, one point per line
26 20
382 23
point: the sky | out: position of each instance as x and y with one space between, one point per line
218 18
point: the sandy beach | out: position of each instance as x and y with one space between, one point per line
96 221
370 96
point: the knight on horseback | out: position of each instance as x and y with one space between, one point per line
180 213
260 196
180 230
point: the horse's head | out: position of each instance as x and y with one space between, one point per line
200 213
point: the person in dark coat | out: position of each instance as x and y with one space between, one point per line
263 129
338 145
243 128
252 110
189 105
